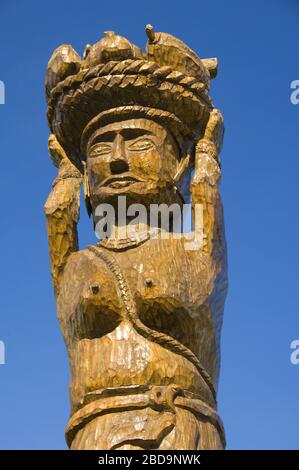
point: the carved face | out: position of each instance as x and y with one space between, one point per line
137 158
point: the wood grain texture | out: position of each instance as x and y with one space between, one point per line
141 316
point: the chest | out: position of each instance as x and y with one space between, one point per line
167 287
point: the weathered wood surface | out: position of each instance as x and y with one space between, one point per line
141 316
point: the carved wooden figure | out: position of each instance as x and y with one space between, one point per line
141 314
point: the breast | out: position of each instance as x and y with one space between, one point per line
89 304
170 290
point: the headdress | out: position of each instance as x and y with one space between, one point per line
114 81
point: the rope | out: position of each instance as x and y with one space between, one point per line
121 70
155 336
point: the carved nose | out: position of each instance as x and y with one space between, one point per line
118 166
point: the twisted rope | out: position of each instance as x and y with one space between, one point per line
131 67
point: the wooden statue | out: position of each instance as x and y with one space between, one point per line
141 314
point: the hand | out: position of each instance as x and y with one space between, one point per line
61 161
214 132
207 164
66 187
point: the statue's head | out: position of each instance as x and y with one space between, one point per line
138 157
135 157
130 120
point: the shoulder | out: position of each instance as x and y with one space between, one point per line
77 259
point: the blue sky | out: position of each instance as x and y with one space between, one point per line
257 46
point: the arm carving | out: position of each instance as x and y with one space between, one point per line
62 211
205 186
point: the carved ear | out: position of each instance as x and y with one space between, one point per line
183 177
86 190
183 165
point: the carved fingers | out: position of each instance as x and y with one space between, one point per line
61 160
215 130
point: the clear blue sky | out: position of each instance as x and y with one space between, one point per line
257 46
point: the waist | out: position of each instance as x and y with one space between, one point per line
134 397
124 358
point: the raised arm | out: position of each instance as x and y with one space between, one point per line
205 186
62 211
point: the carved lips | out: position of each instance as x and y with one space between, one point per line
119 181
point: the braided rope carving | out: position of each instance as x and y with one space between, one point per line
123 70
155 336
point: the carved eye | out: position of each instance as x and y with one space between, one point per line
142 145
100 149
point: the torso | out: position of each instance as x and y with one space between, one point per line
170 287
